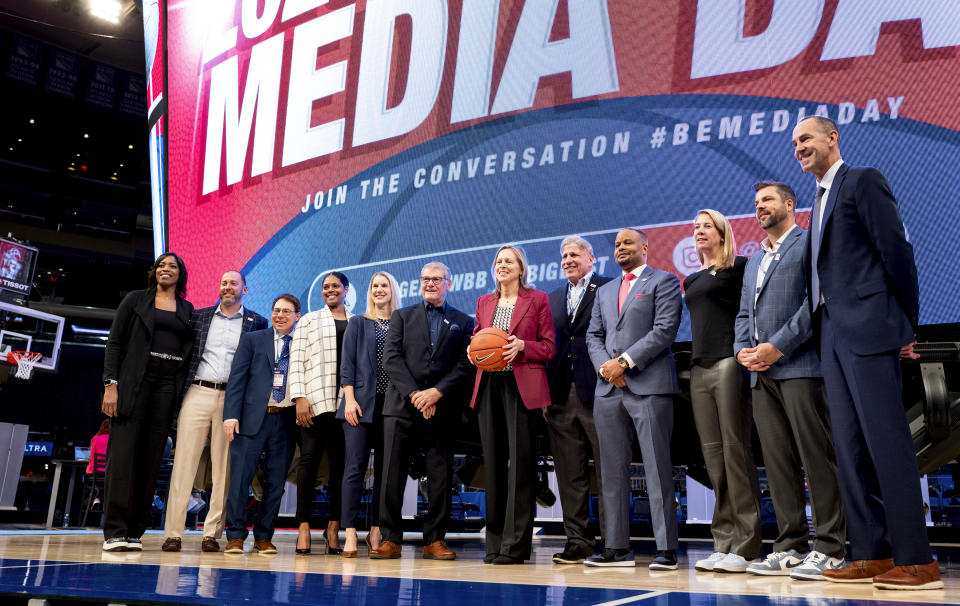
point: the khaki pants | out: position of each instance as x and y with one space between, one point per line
201 419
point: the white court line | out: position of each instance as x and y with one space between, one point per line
40 564
636 598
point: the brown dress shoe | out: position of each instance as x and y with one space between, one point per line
234 546
438 550
265 547
924 576
171 544
209 545
858 571
388 551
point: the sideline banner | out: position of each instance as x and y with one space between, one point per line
312 135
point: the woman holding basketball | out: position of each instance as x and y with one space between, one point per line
364 381
509 402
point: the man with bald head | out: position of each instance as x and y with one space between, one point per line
863 294
632 325
217 331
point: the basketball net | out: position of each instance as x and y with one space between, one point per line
25 361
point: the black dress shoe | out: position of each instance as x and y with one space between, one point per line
489 558
505 559
571 554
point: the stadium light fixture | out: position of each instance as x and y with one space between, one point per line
108 10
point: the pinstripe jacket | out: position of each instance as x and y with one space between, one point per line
200 320
313 361
781 313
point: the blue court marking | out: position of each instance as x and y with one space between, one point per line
208 585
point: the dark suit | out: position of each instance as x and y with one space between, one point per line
412 365
148 390
508 406
789 405
868 281
359 364
249 392
643 329
573 433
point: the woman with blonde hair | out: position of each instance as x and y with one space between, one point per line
364 382
509 402
720 410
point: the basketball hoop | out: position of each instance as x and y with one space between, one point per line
25 361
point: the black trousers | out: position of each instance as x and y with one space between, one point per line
573 442
509 465
402 437
358 441
325 432
135 451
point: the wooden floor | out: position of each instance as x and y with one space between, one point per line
163 574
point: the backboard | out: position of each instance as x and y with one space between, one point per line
22 328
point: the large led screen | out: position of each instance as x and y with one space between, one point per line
307 136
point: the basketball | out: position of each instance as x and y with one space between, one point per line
485 349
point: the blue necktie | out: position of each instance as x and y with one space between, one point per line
282 364
815 249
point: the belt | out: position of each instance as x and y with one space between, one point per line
211 385
165 356
275 410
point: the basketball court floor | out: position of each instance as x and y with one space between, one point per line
69 564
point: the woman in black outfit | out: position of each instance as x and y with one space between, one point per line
144 370
720 410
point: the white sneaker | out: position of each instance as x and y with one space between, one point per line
734 563
115 544
777 564
706 564
814 565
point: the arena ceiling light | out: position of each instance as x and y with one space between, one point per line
108 10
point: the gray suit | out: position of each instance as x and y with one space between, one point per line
644 330
788 401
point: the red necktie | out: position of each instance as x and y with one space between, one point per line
624 289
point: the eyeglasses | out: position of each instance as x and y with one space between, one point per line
431 280
283 312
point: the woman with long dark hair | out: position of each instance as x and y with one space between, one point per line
144 370
315 388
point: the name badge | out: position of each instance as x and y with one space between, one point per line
278 379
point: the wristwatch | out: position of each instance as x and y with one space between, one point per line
623 363
109 382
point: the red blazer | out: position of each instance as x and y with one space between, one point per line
533 323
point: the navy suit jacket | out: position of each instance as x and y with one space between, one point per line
867 273
413 365
644 329
572 360
201 319
251 381
358 366
781 314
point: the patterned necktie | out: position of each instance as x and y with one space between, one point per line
624 289
282 364
815 249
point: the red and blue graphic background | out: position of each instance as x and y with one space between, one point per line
899 105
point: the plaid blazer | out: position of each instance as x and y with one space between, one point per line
313 361
200 320
781 314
